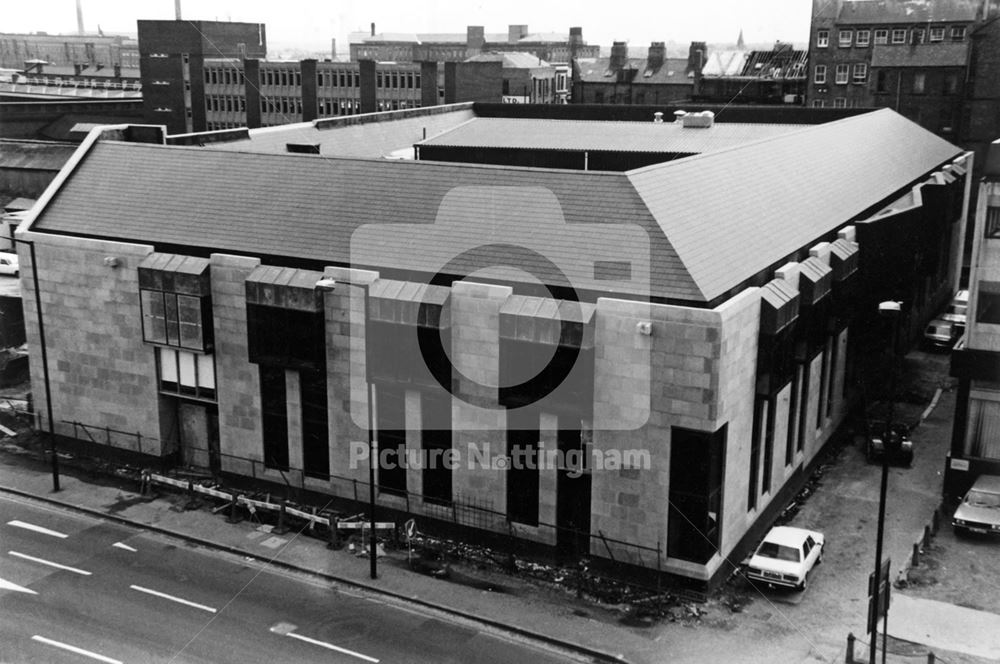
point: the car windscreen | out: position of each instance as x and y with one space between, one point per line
778 552
983 499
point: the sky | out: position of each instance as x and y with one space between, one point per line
310 24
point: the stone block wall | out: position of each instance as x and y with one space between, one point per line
237 380
101 373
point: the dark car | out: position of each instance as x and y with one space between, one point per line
900 448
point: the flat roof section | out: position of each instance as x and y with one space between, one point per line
591 135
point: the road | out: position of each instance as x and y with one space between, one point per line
75 588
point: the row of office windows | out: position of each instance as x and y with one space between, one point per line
225 103
217 126
224 76
865 37
285 77
338 79
843 74
283 105
398 80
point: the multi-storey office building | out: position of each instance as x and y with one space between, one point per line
975 446
696 345
68 50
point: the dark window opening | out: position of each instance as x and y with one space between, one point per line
522 473
758 422
563 374
315 432
391 407
274 416
765 486
398 358
173 319
286 337
436 441
696 472
823 379
988 304
793 404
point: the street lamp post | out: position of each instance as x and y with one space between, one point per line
330 285
890 310
45 361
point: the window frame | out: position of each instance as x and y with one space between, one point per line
863 76
842 75
900 33
845 38
881 36
819 75
863 37
936 34
822 38
957 33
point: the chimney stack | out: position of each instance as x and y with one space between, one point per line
475 39
619 55
177 9
79 16
373 28
516 32
657 55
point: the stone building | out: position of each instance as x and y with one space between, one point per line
682 336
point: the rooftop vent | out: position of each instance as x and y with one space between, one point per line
702 120
658 117
302 148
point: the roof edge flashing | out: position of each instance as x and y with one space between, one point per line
103 132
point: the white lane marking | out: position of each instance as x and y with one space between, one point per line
42 561
37 529
7 585
330 646
173 599
74 649
119 545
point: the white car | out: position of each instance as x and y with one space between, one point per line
786 557
8 264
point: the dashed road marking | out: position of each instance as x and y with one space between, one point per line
42 561
7 585
119 545
37 529
157 593
74 649
330 646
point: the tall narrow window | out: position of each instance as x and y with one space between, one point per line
315 434
274 416
695 513
822 38
522 473
759 410
436 444
768 447
391 408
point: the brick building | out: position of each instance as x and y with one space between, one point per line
68 50
655 79
699 326
457 47
171 61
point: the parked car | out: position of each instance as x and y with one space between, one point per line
940 333
786 557
8 264
898 454
979 511
957 310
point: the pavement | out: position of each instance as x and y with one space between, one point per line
805 627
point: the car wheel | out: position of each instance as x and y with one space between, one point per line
17 274
805 582
819 561
960 531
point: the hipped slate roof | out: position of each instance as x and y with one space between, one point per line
712 220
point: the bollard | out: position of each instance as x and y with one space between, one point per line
192 502
334 542
282 528
849 656
936 521
915 559
931 658
234 516
927 535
